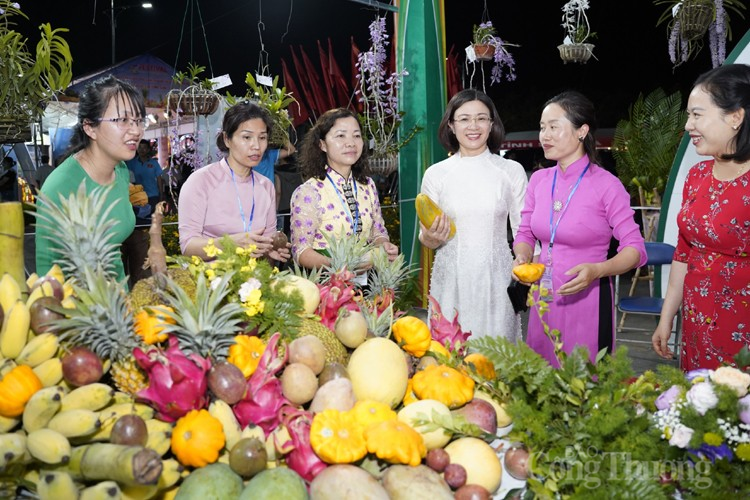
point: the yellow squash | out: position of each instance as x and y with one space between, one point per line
16 388
529 273
337 438
427 210
413 335
197 439
444 384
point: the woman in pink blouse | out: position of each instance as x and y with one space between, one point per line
337 199
227 197
573 209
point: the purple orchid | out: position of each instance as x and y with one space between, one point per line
667 397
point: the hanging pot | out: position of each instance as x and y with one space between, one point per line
13 130
576 52
382 165
695 17
484 52
194 102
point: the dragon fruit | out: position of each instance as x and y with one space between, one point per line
177 382
339 292
264 399
445 331
301 459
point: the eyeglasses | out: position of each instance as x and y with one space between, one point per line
124 123
481 120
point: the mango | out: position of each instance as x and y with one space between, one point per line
274 484
427 211
212 482
529 273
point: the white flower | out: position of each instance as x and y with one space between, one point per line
681 436
732 378
702 397
247 287
215 283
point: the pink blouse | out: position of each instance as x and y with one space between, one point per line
212 203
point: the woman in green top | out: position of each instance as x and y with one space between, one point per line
111 121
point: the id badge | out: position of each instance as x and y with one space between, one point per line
546 283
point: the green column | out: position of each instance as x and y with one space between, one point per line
420 48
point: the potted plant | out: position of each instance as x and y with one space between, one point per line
689 20
195 95
28 78
488 46
575 47
276 100
644 147
378 92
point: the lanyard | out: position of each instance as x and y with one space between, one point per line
348 212
553 227
245 224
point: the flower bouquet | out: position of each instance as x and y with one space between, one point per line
704 415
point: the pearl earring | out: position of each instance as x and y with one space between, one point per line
580 139
735 127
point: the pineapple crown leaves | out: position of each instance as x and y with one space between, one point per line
208 325
315 275
81 231
102 320
378 324
346 254
388 275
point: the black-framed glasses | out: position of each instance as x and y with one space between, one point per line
124 123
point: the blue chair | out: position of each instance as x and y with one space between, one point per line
659 254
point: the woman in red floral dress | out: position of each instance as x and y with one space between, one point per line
710 274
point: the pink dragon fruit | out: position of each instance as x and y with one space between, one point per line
301 459
264 399
337 293
446 331
177 383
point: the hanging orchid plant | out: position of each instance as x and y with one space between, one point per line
378 93
689 20
576 23
505 66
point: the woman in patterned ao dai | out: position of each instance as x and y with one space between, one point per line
337 199
710 274
480 191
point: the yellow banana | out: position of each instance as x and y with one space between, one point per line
252 430
55 485
6 366
68 303
122 397
13 446
109 415
169 493
48 446
159 436
171 472
10 292
15 329
56 272
88 397
38 350
41 407
67 289
31 280
7 424
75 423
49 372
224 414
139 492
105 490
43 290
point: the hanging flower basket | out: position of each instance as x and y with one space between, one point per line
13 130
576 52
383 165
694 17
484 52
193 102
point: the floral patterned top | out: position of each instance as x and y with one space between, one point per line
714 242
319 207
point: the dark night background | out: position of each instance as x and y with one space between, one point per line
631 50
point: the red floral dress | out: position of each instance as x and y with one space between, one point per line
714 241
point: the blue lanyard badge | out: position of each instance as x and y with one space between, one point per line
246 224
553 225
352 217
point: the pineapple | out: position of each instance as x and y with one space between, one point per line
378 323
103 322
348 254
386 279
204 326
82 232
149 292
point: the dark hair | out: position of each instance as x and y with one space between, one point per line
94 101
239 114
729 88
446 136
313 160
144 141
579 110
